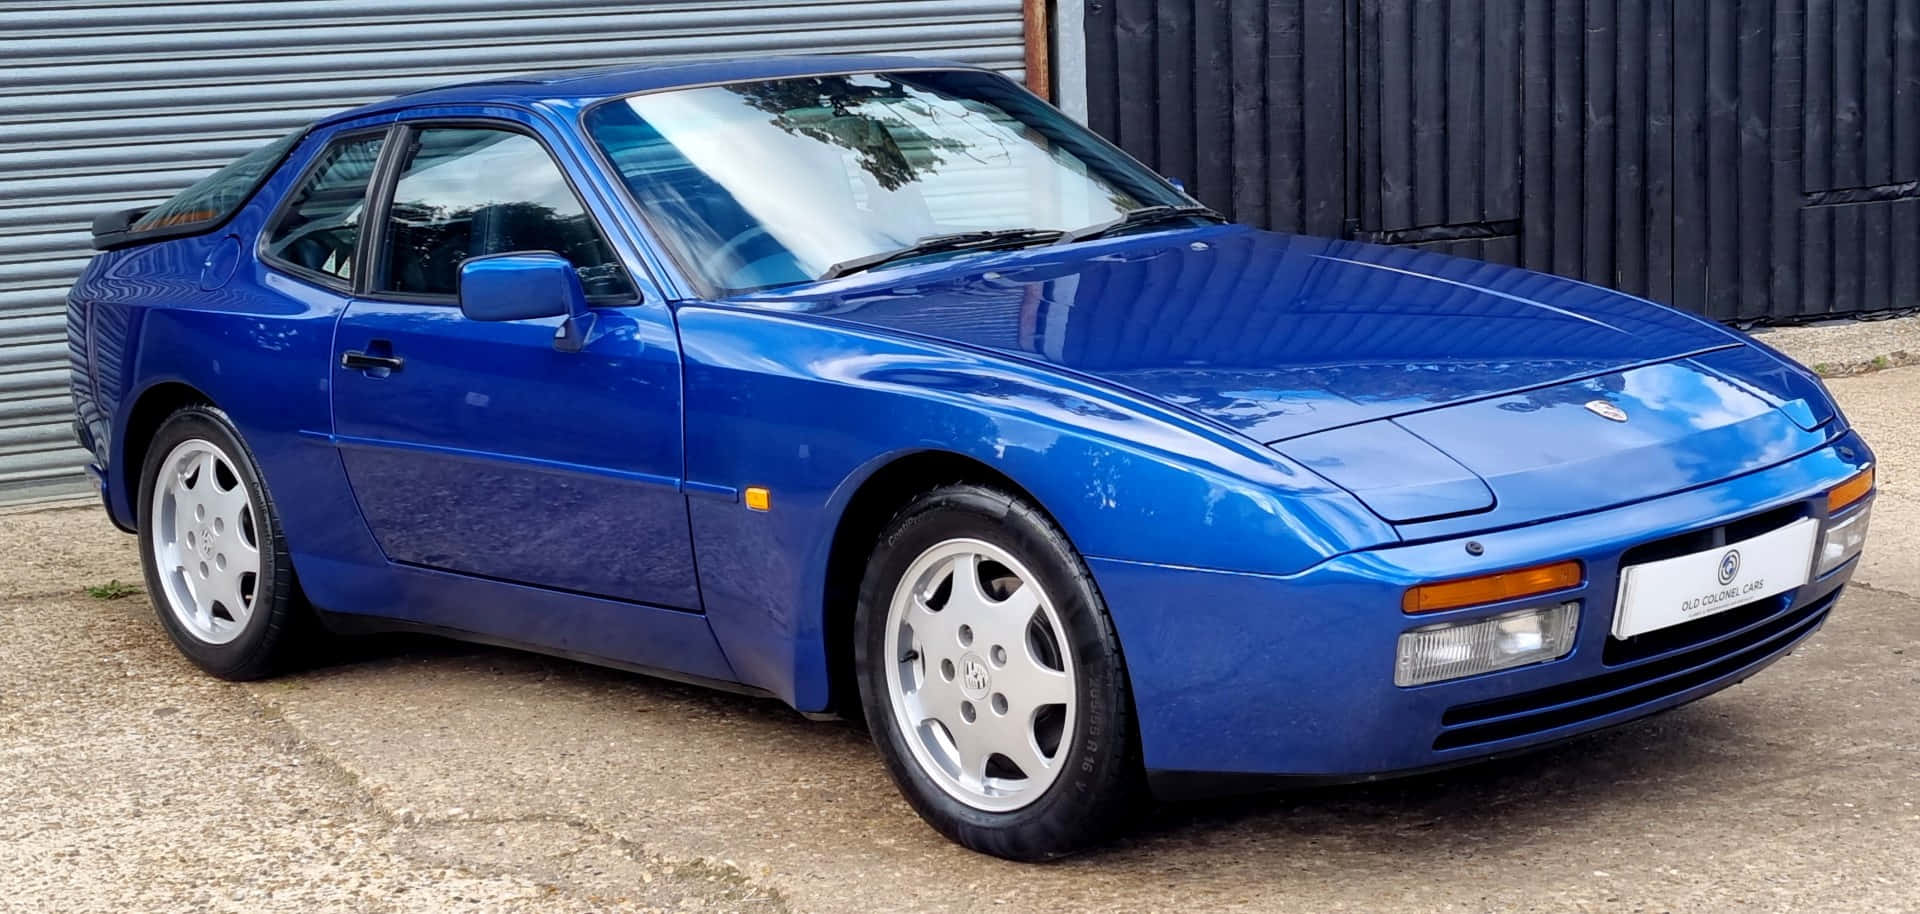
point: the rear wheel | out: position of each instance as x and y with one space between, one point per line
992 679
216 563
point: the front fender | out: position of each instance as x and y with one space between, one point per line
810 409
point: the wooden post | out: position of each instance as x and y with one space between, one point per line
1039 39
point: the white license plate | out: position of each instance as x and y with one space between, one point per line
1655 595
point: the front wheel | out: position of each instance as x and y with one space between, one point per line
992 679
216 563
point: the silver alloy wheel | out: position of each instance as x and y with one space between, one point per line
206 541
979 675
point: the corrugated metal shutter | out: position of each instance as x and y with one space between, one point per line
107 105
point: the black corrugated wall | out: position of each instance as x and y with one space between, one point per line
1746 159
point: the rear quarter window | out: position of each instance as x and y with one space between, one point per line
215 197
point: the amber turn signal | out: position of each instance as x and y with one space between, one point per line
1850 491
758 498
1493 588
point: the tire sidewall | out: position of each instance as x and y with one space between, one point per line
254 641
1101 757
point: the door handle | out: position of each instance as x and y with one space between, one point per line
356 360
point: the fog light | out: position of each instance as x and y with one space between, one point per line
1440 652
1842 541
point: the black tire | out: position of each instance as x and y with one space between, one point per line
266 645
1101 788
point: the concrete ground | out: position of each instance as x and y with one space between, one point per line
424 776
1849 347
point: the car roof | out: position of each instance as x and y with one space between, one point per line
586 86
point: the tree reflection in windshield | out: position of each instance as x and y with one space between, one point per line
848 122
772 182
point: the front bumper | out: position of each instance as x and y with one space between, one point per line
1238 675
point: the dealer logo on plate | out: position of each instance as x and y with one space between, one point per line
1729 566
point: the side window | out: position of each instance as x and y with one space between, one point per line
466 192
319 230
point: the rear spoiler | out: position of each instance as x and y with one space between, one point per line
116 229
112 230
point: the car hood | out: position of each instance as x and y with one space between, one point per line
1273 335
1434 389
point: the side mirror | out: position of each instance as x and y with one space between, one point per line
1178 184
522 286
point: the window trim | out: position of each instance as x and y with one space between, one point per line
387 179
285 205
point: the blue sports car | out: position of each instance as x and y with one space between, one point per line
880 387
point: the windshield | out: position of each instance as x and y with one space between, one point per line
769 183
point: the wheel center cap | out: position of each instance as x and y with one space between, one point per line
206 542
975 682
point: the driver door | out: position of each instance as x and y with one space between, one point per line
477 447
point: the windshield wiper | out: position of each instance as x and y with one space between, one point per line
1145 215
942 244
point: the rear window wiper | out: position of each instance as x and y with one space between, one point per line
1145 215
941 244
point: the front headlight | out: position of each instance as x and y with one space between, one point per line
1500 642
1842 540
